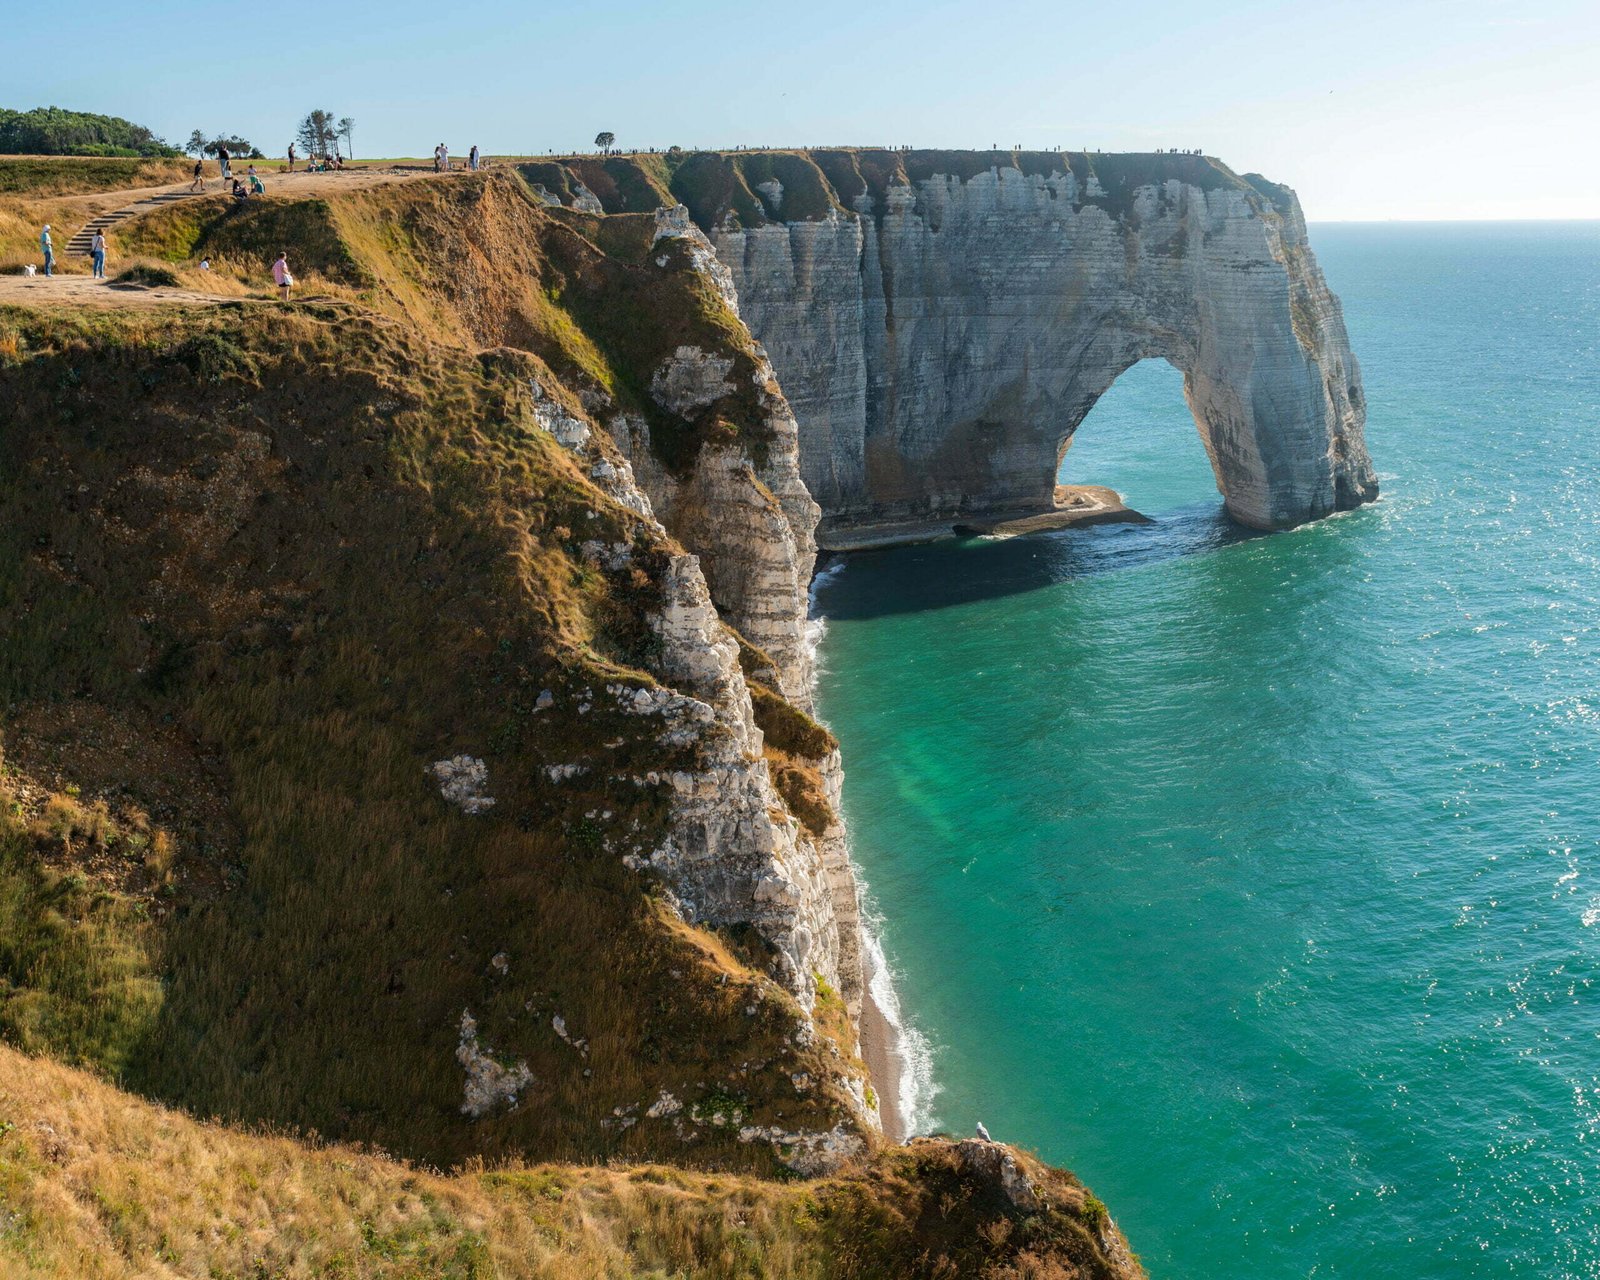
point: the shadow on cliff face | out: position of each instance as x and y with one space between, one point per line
872 584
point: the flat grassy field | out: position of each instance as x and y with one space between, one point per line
41 176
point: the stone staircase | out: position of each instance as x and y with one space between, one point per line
80 243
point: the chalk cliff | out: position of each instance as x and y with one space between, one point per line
941 323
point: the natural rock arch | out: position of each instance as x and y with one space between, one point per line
941 342
1148 397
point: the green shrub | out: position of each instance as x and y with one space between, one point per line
146 275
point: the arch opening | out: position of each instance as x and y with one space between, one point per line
1141 439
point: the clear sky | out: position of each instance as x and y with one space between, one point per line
1371 109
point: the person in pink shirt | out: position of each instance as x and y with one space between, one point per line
281 276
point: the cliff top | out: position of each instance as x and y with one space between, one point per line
722 188
98 1182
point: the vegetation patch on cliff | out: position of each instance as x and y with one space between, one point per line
38 176
95 1182
725 189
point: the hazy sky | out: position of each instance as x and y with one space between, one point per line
1371 109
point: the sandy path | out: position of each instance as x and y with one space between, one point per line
295 184
70 213
81 291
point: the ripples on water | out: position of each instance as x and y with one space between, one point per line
1258 878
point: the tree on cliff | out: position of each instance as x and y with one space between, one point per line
604 141
199 145
236 145
347 127
316 133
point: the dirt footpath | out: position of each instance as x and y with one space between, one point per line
85 292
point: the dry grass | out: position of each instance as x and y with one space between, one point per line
332 552
75 968
35 177
66 192
99 1185
22 220
478 262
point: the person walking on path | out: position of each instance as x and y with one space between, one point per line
97 251
281 276
222 159
47 248
199 183
444 156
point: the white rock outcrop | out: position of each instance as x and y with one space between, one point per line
996 1165
489 1083
735 854
751 522
806 1152
461 781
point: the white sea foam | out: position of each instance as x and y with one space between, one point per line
827 573
816 623
816 628
917 1088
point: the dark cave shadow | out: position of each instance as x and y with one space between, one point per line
858 585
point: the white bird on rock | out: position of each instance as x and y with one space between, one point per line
984 1133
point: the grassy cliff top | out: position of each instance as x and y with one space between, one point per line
97 1183
82 175
478 261
751 188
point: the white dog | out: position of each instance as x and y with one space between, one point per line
27 269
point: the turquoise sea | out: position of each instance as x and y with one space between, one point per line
1257 879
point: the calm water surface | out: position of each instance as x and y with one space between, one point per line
1257 879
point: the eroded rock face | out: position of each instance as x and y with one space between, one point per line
940 344
751 523
734 854
489 1084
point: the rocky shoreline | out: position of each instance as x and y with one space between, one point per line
1076 507
882 1052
